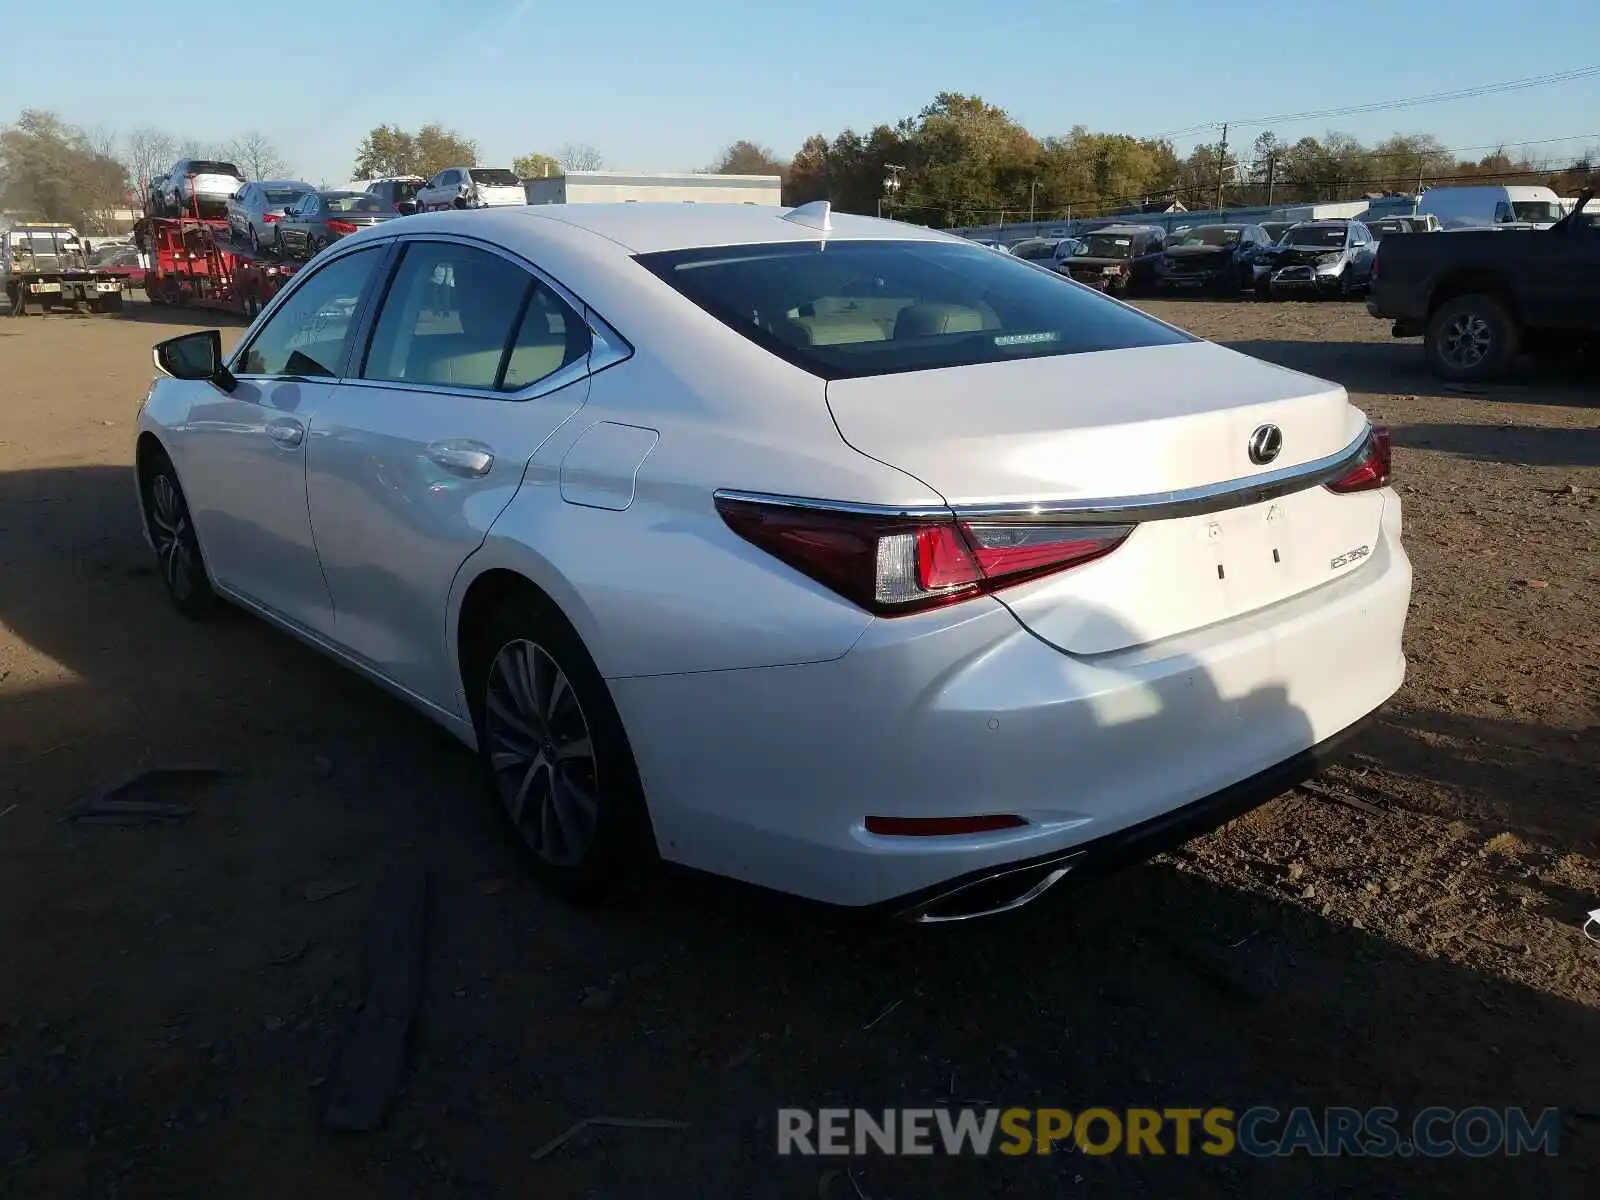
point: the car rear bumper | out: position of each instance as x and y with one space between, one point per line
768 774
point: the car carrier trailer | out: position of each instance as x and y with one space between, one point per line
191 266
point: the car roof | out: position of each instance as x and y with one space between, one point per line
649 228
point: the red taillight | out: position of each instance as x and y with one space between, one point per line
892 565
941 826
341 227
1372 469
269 218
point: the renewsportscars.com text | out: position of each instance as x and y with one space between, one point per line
1259 1132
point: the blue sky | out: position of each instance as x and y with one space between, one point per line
661 87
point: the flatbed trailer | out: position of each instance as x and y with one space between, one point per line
193 264
54 273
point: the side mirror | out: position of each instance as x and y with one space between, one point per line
196 356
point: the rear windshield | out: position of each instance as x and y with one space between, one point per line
494 177
351 202
206 167
405 189
284 195
843 310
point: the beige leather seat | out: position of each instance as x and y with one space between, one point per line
928 320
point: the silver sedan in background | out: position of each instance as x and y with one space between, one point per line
257 206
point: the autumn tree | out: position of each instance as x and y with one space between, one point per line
536 166
747 158
52 170
389 150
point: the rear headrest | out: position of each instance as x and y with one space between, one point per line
923 320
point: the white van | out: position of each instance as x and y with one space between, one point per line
1490 207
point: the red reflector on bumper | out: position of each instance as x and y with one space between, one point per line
941 826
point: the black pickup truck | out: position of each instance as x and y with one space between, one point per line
1478 298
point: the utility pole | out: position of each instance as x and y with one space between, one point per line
1222 163
1272 173
1033 190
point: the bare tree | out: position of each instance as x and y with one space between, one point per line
148 153
580 156
254 154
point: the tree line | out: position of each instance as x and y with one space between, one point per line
963 161
959 161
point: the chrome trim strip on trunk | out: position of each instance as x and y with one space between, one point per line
1155 506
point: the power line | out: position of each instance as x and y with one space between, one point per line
1484 89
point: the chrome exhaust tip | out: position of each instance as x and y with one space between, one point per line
989 895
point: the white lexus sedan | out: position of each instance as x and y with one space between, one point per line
832 554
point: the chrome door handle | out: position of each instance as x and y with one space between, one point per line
462 458
286 433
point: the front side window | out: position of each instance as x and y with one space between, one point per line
846 309
308 335
457 316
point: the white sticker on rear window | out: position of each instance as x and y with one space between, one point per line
1025 339
1123 242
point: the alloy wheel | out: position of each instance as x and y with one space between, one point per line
541 754
177 552
1467 340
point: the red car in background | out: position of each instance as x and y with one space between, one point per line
125 261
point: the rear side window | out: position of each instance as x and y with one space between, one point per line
460 317
848 309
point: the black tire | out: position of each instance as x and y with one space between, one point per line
179 561
600 790
1264 288
255 238
1471 338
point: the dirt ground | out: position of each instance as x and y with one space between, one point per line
174 998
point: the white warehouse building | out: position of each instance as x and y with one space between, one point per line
619 187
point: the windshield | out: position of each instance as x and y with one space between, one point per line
1106 245
1540 212
1315 235
284 195
494 177
844 310
1212 235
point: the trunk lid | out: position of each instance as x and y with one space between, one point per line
496 196
1130 425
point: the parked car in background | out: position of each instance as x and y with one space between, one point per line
318 219
399 192
1213 258
1478 298
1115 258
1378 227
1035 249
198 187
1324 258
972 541
256 207
470 187
1497 207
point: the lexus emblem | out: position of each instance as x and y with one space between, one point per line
1265 443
